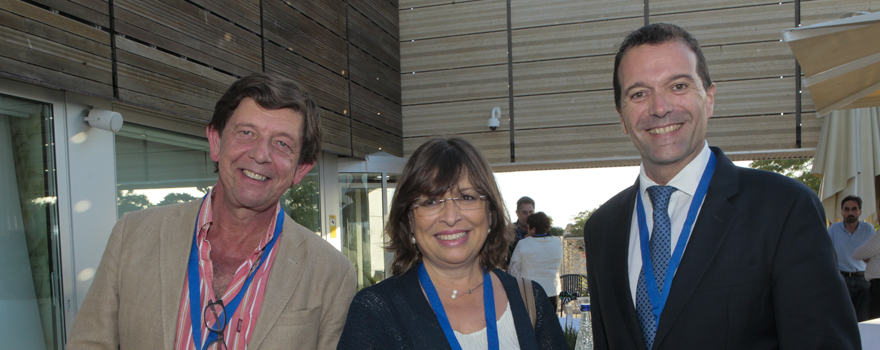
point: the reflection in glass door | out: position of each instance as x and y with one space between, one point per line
30 312
362 224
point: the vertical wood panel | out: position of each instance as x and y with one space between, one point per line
531 13
736 25
453 52
291 29
452 85
454 117
571 40
453 19
40 45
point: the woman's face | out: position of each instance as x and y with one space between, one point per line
452 237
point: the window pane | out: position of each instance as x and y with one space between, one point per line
303 201
362 224
158 167
29 294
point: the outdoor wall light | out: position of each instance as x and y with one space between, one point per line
104 119
493 120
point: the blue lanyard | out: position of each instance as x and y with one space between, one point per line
437 305
195 300
658 300
542 235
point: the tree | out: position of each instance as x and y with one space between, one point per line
128 201
302 203
798 169
577 229
556 231
175 197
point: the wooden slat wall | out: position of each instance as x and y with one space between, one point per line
39 44
177 57
454 71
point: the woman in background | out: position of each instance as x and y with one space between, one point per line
448 231
538 256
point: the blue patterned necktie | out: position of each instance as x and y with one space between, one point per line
660 253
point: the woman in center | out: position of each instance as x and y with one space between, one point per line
448 230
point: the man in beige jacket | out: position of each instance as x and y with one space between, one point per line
231 270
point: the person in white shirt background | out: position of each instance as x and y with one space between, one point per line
538 256
870 252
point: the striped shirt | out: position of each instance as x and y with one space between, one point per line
241 324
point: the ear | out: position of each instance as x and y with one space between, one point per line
301 170
710 100
213 142
622 124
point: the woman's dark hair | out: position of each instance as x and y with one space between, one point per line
540 222
274 91
432 170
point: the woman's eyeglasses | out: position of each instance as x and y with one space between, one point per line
430 207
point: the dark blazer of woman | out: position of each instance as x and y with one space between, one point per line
395 314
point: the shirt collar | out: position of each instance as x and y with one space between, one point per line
686 180
206 219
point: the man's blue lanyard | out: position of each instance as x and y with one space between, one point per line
437 305
195 300
518 233
658 300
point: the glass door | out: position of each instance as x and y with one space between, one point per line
30 295
362 224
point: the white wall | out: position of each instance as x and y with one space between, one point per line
92 160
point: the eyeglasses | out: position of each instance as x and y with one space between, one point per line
217 309
430 207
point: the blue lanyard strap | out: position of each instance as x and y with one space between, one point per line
437 305
541 235
195 281
658 299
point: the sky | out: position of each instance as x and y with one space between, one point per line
562 194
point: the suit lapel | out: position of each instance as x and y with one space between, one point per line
175 240
618 253
708 234
287 270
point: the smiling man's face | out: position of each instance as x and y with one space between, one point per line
258 155
664 106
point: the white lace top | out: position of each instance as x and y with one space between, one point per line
506 335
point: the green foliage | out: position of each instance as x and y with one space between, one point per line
128 201
302 202
174 198
577 228
556 231
571 336
798 169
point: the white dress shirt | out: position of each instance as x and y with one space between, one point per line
686 182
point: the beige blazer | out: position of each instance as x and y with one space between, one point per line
134 299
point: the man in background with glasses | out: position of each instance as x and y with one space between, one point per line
232 270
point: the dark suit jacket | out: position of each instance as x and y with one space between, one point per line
759 271
395 315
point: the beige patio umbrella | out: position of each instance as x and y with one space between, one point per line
848 159
840 60
841 64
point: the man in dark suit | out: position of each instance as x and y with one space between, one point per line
701 254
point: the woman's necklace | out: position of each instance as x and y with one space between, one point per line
455 291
